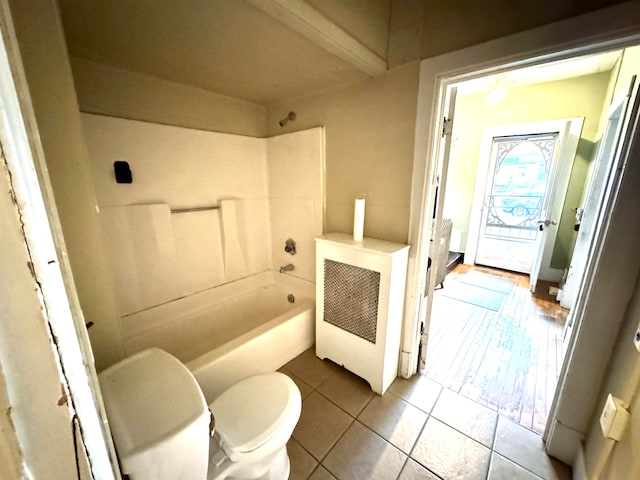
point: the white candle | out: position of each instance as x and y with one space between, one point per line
358 220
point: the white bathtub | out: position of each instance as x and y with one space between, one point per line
227 333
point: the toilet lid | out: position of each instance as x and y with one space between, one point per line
250 412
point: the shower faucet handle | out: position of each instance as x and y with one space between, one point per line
290 246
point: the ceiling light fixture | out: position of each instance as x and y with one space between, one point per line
497 94
498 89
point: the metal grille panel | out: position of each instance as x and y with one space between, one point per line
351 298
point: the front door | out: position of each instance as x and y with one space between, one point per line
519 173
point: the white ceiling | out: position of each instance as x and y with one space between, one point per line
548 72
225 46
233 48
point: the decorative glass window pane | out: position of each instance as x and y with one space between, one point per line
518 188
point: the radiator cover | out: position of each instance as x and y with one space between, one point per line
360 296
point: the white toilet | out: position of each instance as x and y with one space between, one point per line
161 424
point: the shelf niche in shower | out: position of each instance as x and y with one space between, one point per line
359 303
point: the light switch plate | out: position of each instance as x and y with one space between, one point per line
614 418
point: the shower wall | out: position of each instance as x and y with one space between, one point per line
295 172
265 191
181 167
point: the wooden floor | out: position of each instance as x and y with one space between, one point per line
507 360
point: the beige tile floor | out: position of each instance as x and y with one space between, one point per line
417 431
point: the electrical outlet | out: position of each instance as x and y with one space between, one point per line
636 338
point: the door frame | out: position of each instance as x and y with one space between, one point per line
62 314
611 28
619 105
558 181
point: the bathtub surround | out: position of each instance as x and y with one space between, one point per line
234 248
157 256
140 245
174 266
180 167
296 186
197 236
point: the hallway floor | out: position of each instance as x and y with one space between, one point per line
508 360
418 430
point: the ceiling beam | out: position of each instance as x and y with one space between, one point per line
307 21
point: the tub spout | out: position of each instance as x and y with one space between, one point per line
287 268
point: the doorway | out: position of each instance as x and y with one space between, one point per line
517 184
439 207
490 339
516 227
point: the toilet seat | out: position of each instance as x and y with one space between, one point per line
253 411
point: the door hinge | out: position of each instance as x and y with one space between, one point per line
447 126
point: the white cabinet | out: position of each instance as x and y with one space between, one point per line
359 303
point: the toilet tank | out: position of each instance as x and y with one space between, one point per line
158 417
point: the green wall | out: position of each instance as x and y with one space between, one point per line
576 97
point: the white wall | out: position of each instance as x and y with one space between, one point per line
27 358
624 383
48 75
10 454
369 129
117 92
29 361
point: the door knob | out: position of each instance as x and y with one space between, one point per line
542 224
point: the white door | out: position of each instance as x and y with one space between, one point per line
520 171
569 130
433 219
597 197
558 183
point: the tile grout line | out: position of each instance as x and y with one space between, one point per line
409 457
353 419
422 430
537 477
332 447
493 443
507 419
348 413
428 416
